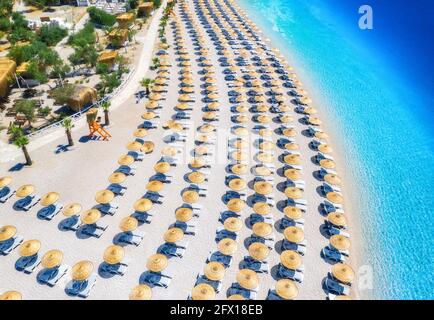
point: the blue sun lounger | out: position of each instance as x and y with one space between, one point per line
5 194
7 246
51 276
80 288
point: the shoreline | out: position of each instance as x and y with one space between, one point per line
351 204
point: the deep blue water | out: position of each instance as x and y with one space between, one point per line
377 87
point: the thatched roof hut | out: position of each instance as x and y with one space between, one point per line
7 69
118 37
146 8
81 97
22 68
108 57
125 19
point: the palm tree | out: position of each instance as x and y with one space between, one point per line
156 63
68 125
146 82
106 106
21 142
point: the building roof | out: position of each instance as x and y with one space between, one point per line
7 69
107 56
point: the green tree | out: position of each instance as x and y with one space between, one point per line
155 63
84 55
106 106
83 37
157 3
21 141
51 35
37 3
34 72
62 95
101 17
146 82
27 108
102 68
109 82
6 8
5 24
133 4
68 125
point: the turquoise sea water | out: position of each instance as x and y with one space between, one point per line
382 114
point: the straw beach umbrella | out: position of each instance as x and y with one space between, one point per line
117 177
338 219
173 235
72 209
233 224
259 251
294 193
262 171
134 146
262 229
286 289
90 216
214 270
293 234
340 242
227 246
157 262
292 159
143 205
7 232
49 198
104 196
239 168
203 291
335 197
155 186
327 163
325 148
332 179
236 204
292 174
237 184
128 224
190 196
5 181
263 187
290 259
113 254
141 292
289 132
125 160
29 248
140 133
343 272
184 214
11 295
82 270
262 208
248 279
52 259
25 190
292 212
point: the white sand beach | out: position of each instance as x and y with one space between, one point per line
78 173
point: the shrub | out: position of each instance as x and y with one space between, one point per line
101 17
51 35
83 37
5 24
102 68
157 3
